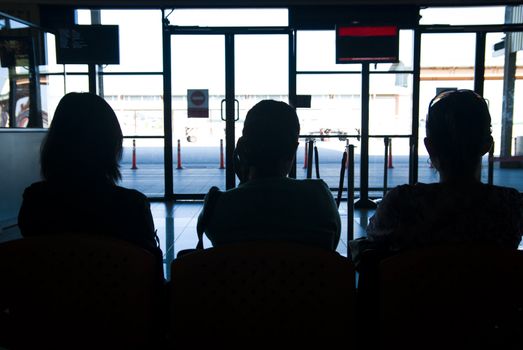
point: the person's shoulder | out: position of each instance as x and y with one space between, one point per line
37 188
128 193
501 189
406 189
308 183
503 192
406 194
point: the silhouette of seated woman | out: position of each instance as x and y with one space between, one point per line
80 167
267 205
459 208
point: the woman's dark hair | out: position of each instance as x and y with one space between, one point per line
458 126
84 141
270 131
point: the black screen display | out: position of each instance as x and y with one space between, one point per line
84 44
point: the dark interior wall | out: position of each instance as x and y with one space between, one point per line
53 13
257 3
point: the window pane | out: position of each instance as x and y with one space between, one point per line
390 104
260 76
335 103
137 101
335 113
52 66
447 62
463 15
505 133
140 39
148 176
316 51
230 17
56 89
406 54
198 167
4 98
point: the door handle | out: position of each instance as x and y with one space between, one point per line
221 110
237 103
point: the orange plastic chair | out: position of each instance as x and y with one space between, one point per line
262 293
77 292
452 297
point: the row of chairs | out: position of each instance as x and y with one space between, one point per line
94 292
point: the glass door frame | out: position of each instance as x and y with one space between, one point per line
229 34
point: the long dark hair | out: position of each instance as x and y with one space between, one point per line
458 125
84 142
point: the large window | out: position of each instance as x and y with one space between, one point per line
452 70
134 89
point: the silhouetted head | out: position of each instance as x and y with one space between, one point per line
270 138
84 142
458 133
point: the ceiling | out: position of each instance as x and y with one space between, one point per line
256 3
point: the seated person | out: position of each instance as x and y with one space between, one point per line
80 167
267 205
459 208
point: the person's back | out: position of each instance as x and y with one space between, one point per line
428 214
99 209
267 205
458 208
80 166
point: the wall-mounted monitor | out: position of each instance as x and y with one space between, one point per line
367 44
88 44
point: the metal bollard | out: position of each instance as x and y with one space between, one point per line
390 154
309 156
386 140
179 165
305 160
350 195
491 165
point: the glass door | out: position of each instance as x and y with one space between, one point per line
198 89
217 75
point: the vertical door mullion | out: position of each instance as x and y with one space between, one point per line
364 201
292 82
167 114
230 179
414 140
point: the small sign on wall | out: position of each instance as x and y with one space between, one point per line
197 103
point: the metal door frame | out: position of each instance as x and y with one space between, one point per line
229 34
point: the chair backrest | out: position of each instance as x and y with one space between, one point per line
76 292
261 292
456 296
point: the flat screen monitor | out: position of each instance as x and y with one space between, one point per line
88 44
367 44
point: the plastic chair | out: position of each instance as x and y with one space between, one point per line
262 293
452 297
77 292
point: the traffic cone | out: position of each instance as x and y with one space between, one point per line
134 167
390 155
222 163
